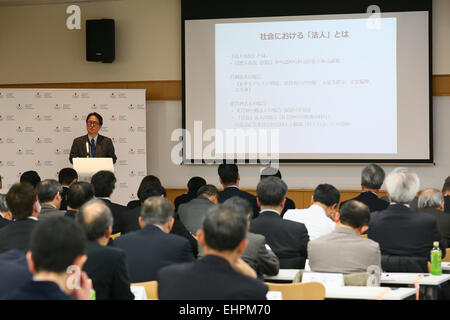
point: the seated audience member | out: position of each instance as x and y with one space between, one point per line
344 250
256 254
104 183
21 200
270 172
152 247
446 193
66 177
287 239
5 213
79 193
372 178
106 265
32 177
229 178
147 180
220 274
402 232
58 245
178 228
319 217
14 271
192 212
432 201
192 190
49 196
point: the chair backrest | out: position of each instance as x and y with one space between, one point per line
151 289
299 291
447 255
115 235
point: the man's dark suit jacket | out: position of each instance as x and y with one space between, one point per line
104 148
288 239
178 228
63 205
184 198
14 271
443 222
71 214
401 231
119 213
3 222
16 235
210 278
107 268
447 204
38 290
150 249
371 200
235 191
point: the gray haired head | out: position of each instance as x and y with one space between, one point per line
430 198
372 176
3 204
402 185
95 218
156 210
47 190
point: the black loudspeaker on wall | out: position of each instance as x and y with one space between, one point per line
100 40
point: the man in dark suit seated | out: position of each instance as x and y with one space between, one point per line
79 193
49 195
152 247
66 177
106 265
432 201
288 239
178 228
5 213
14 271
275 172
21 200
229 178
56 257
99 146
104 183
192 213
220 274
256 254
372 178
193 185
31 177
400 231
146 181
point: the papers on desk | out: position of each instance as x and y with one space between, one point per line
274 295
139 292
329 280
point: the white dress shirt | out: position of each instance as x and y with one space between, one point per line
314 218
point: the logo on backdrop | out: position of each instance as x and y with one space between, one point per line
76 117
19 129
131 107
57 129
1 140
19 107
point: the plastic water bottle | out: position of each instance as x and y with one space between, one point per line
436 257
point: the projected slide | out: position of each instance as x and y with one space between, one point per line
328 86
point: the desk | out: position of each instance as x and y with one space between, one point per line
368 293
445 267
431 282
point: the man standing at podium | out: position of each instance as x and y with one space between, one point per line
93 144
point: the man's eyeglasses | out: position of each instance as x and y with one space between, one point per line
93 123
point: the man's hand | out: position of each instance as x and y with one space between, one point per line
84 292
244 268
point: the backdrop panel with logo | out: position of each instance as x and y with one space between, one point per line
37 128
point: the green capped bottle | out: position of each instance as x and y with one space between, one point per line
436 257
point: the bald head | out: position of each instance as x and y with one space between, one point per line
95 218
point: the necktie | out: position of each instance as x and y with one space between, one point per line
93 148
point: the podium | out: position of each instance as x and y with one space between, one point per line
87 167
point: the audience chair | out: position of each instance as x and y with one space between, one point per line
447 255
151 289
115 235
299 291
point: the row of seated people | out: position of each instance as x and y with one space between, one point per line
328 237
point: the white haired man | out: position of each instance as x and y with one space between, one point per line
402 232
